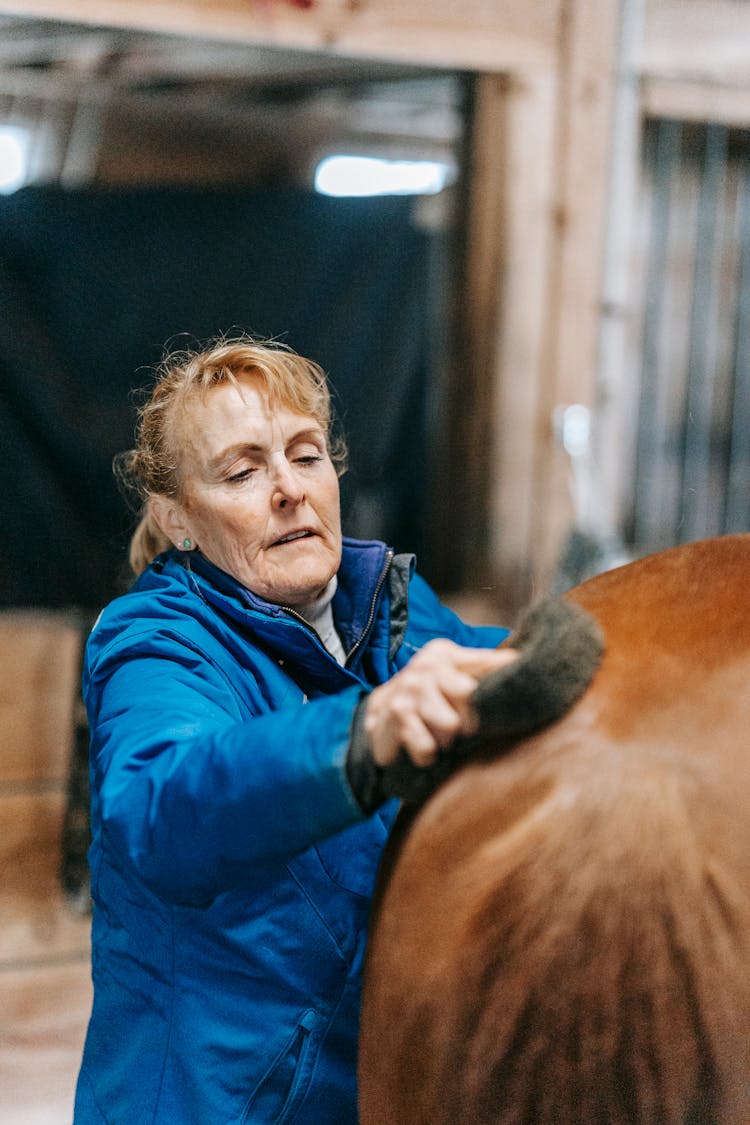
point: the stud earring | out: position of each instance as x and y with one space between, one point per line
187 544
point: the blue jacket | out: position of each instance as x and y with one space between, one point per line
232 867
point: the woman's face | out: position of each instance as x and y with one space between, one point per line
260 493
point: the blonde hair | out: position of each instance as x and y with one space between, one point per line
154 467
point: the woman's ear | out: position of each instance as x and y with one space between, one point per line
168 514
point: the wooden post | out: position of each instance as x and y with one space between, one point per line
464 466
587 70
525 235
552 235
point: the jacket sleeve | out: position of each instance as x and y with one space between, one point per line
195 796
429 618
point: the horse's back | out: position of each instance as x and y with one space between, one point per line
564 934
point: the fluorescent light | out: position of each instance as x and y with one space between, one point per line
368 175
14 152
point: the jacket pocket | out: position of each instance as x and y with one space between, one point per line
280 1091
351 857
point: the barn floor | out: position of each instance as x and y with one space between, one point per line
45 974
42 1027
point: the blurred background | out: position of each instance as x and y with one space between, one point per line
534 311
166 194
540 354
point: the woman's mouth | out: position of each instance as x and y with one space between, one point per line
304 533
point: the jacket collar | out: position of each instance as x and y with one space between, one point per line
361 578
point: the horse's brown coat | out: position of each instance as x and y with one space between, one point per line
564 932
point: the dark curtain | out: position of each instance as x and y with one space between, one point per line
92 285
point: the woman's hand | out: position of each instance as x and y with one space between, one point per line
428 703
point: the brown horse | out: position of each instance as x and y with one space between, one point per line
562 933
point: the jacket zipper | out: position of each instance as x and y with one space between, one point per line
381 582
384 574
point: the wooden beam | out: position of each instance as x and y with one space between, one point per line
697 41
696 100
485 37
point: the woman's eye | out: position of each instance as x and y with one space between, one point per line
308 458
243 474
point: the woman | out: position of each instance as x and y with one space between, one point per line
243 699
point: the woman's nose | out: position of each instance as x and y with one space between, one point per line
287 487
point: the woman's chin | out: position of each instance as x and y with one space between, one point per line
301 588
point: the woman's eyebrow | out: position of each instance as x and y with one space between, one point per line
225 456
309 433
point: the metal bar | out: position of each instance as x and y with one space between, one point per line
614 437
697 517
738 485
662 144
